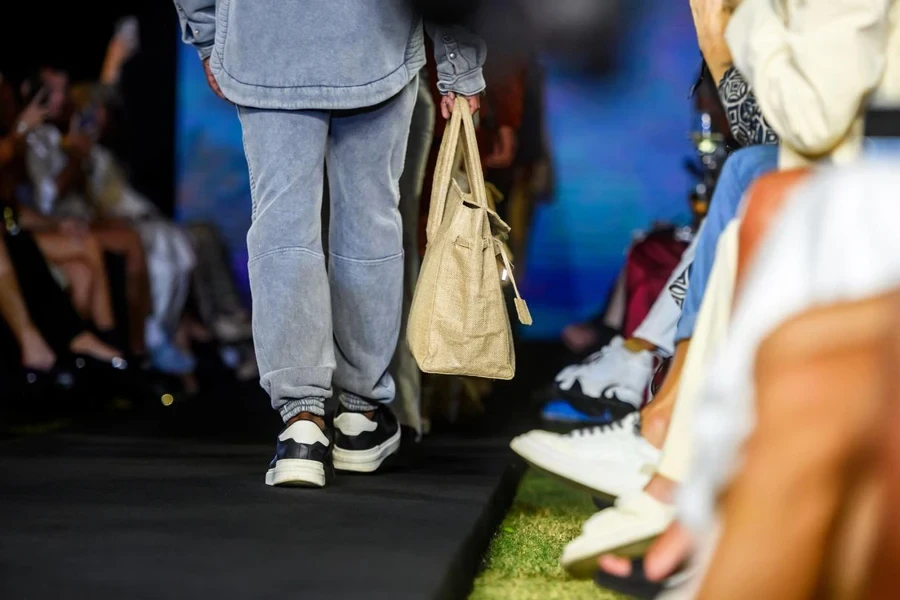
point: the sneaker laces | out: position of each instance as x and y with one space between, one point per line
612 427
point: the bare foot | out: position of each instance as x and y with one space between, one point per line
90 345
662 488
655 425
36 354
665 556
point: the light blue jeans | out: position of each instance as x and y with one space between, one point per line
320 321
740 170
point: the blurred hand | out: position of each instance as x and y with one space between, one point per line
73 227
35 113
504 151
711 18
213 84
448 101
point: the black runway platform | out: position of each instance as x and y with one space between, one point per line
180 510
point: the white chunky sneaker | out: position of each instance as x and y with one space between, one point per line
627 529
613 377
302 455
608 460
361 444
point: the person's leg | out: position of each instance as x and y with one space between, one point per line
656 333
638 518
170 260
218 301
738 173
78 276
403 367
712 324
82 261
658 327
365 160
50 308
805 371
119 238
292 329
36 353
365 257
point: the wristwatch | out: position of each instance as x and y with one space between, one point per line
21 128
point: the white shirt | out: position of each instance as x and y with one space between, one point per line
815 66
836 240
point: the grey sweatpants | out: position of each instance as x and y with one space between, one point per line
315 327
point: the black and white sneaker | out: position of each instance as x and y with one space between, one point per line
613 378
361 444
301 457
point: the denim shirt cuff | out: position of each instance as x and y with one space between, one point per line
465 84
205 51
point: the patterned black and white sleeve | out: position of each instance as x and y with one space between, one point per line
748 125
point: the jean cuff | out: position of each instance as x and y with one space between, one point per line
292 408
354 403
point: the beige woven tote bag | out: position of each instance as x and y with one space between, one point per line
458 324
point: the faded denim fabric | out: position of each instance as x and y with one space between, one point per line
314 326
324 54
738 173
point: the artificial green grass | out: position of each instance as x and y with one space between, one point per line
523 560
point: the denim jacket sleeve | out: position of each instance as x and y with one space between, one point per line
198 24
460 56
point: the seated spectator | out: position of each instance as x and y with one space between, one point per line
47 300
40 315
820 108
169 254
624 366
72 249
856 206
74 177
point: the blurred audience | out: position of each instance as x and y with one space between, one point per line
759 468
803 256
78 185
82 247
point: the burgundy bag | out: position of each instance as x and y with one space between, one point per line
649 265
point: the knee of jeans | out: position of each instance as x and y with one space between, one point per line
271 232
373 239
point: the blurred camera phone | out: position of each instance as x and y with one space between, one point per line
128 31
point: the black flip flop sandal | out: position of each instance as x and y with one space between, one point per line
637 585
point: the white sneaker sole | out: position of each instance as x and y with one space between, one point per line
365 461
296 472
581 555
605 484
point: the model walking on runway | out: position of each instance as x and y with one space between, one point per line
316 84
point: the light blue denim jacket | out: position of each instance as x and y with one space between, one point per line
324 54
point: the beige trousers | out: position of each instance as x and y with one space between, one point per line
712 325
